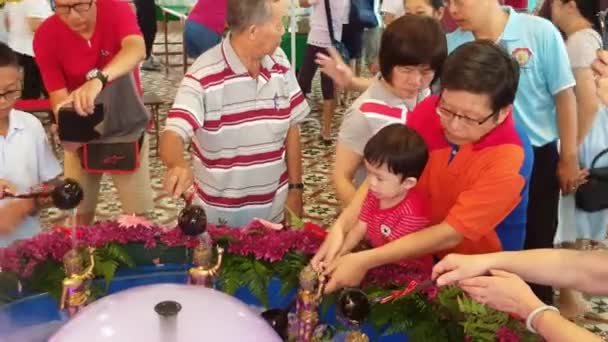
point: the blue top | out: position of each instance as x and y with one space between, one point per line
545 71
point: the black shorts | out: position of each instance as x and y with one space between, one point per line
352 38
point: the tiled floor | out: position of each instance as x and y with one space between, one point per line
320 202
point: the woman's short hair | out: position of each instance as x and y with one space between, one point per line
412 40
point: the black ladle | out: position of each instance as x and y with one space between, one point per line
354 306
279 319
192 220
66 194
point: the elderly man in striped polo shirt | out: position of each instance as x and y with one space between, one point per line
240 105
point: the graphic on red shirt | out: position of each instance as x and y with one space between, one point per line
385 225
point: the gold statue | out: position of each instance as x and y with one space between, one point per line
75 291
312 285
356 336
203 272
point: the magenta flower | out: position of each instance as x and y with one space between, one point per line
505 334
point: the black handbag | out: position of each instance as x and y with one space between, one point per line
593 195
112 158
338 45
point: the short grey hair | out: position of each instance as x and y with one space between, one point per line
244 13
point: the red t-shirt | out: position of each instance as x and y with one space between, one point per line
211 14
385 225
472 187
65 57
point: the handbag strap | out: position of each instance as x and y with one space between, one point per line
330 27
597 157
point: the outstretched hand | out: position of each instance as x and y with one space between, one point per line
456 267
329 249
335 67
502 291
347 271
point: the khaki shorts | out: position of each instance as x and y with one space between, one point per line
134 189
371 44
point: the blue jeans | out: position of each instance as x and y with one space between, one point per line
199 39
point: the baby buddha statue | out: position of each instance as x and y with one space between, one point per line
75 286
204 271
309 297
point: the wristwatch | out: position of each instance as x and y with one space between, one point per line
97 74
295 186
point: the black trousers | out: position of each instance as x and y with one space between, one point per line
542 207
33 87
146 18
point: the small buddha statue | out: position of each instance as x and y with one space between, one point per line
312 285
203 272
75 286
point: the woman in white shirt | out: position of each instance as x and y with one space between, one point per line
318 42
24 17
578 20
412 49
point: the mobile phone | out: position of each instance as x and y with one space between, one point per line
77 128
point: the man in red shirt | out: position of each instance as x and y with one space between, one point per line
82 47
476 176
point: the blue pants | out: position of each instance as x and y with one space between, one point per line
199 39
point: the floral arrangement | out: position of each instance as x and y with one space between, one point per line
254 256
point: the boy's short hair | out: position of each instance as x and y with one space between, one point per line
400 148
8 57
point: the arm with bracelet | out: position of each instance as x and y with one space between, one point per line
548 323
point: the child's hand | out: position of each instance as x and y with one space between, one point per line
7 187
329 249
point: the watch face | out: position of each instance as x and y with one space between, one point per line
92 74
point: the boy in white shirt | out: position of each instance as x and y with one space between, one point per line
26 158
24 17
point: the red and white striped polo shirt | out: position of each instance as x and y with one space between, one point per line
238 126
385 225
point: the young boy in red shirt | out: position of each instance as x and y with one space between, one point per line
394 158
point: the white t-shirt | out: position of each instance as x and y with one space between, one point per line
319 34
3 33
376 108
394 7
20 36
26 160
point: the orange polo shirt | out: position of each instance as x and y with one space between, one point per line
472 187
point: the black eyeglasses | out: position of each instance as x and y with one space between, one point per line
448 114
81 7
11 95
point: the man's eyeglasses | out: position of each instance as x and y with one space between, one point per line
448 114
11 95
81 7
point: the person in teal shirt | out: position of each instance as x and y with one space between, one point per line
545 105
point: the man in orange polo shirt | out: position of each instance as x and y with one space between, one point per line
476 176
